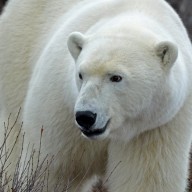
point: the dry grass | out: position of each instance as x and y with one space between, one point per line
31 171
28 176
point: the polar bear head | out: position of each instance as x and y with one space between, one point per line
126 83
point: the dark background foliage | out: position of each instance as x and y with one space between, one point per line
184 9
2 3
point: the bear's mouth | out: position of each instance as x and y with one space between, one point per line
95 132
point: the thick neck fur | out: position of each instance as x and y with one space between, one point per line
161 154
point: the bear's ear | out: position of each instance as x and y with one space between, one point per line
168 53
75 44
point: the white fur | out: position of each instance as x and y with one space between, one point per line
148 113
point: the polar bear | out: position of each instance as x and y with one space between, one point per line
117 70
138 94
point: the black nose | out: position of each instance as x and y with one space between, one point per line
86 119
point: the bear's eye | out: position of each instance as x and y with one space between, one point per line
116 78
80 76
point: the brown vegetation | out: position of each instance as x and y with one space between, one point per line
30 176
